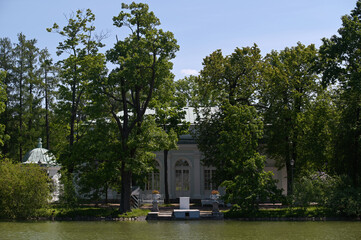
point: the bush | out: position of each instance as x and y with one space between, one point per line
312 188
291 212
343 198
337 194
68 196
24 189
251 187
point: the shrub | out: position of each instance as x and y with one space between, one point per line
24 189
312 188
343 198
337 194
252 187
68 196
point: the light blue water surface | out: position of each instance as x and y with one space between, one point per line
180 230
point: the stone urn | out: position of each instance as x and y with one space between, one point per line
215 196
155 197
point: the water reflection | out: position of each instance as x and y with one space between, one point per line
180 230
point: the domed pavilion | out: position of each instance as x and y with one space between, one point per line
40 156
45 159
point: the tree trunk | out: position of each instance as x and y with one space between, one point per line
126 190
31 110
73 112
47 132
166 192
72 123
355 175
21 115
6 124
288 168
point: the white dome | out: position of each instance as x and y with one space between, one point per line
40 156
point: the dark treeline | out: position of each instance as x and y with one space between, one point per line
29 82
301 103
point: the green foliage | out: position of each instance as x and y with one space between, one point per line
22 116
96 160
343 199
291 212
149 138
229 141
85 211
319 128
2 107
229 137
169 114
24 189
319 124
49 81
29 79
252 186
313 188
187 91
78 70
68 196
143 68
134 213
290 86
340 65
234 77
335 194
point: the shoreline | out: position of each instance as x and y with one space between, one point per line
143 219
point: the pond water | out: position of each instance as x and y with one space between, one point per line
180 230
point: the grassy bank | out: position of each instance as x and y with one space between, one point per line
89 211
290 212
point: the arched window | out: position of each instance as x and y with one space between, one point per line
182 178
181 163
153 182
209 173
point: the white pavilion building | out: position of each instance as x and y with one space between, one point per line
187 177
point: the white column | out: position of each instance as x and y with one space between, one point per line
197 175
171 186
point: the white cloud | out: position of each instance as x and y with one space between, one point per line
187 72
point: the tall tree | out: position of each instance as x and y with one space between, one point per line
32 100
290 85
170 116
20 74
228 134
316 145
143 64
229 141
49 81
225 146
82 65
6 65
25 54
187 91
2 108
341 64
97 151
22 113
234 77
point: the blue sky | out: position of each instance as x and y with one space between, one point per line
200 26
